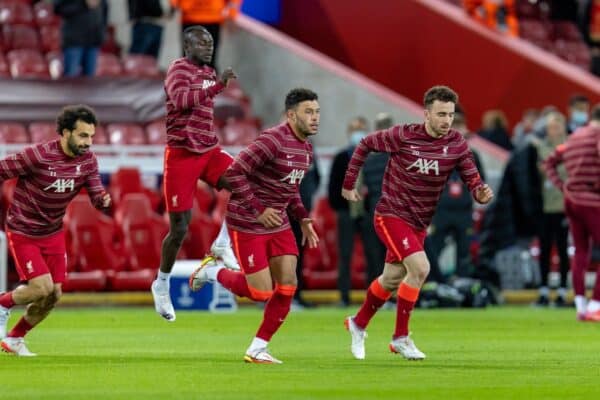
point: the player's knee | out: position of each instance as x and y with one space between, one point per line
178 233
40 291
260 295
422 271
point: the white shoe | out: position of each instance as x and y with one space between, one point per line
199 277
16 346
261 356
162 303
4 316
225 253
406 347
358 338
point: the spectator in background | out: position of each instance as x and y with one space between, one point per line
454 218
373 171
495 129
581 156
211 14
308 188
147 18
350 219
579 112
525 127
83 26
554 225
496 14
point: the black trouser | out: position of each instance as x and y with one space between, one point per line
215 32
347 228
459 226
146 38
554 230
298 235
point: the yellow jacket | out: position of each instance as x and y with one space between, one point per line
206 11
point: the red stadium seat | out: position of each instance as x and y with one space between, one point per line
108 65
55 64
18 37
202 231
44 14
157 132
4 72
95 241
27 64
110 44
141 66
50 37
143 230
100 135
15 12
13 132
567 30
42 132
128 180
126 134
239 133
527 9
534 30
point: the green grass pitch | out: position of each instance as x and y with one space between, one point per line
130 353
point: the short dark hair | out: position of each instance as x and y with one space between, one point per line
297 96
596 113
578 98
69 116
195 29
440 93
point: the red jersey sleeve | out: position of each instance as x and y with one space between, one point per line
19 164
184 93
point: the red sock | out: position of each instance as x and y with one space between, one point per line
276 309
6 300
376 296
234 281
20 329
407 297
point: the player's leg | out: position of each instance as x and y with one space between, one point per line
581 240
562 239
214 175
283 270
592 220
546 240
181 170
417 268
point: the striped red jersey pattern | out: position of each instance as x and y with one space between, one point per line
417 170
268 174
190 91
47 181
581 156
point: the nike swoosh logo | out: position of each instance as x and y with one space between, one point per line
289 156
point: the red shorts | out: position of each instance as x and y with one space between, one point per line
182 170
253 251
38 256
400 239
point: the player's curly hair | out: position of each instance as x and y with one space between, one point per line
297 96
69 116
440 93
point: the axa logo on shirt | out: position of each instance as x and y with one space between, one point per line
423 166
62 185
293 176
206 84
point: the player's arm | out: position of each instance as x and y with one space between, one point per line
98 195
247 161
186 95
469 174
298 211
387 140
19 164
550 166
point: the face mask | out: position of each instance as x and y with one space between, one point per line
579 118
356 137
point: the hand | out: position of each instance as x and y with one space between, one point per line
270 218
351 195
484 194
308 233
106 200
227 75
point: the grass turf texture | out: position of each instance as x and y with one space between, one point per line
130 353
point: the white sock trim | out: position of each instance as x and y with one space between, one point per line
257 344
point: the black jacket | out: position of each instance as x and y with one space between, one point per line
336 179
82 26
144 8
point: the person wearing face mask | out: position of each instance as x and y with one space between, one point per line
579 112
351 218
